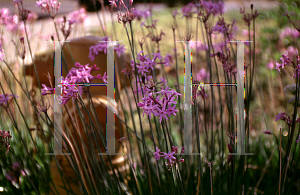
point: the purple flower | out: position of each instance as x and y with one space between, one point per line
120 49
165 91
156 55
104 78
219 28
81 74
289 32
271 65
5 98
286 118
96 49
156 153
187 10
161 112
213 8
168 59
170 156
47 90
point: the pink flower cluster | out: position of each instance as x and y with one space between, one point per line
187 10
170 156
74 77
229 30
77 17
286 61
146 64
139 14
11 22
209 8
102 47
286 118
49 6
163 108
213 8
289 32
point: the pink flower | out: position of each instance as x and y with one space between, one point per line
202 75
168 59
157 153
187 10
219 28
289 32
213 8
161 112
77 17
156 55
46 90
104 78
49 6
5 98
32 17
96 49
120 49
170 156
271 65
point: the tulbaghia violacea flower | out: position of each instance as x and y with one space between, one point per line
125 13
70 90
160 103
146 64
188 10
23 13
102 47
289 32
172 160
213 8
286 118
139 14
286 61
49 6
5 98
